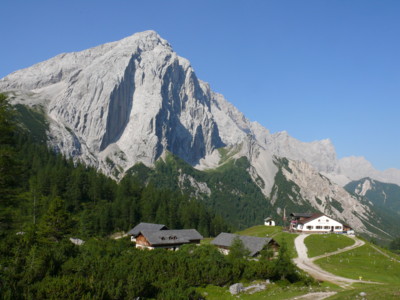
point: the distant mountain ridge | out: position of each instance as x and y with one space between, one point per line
135 100
385 195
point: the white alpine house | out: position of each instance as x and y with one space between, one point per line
316 223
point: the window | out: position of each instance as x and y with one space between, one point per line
338 227
310 227
318 227
327 227
327 220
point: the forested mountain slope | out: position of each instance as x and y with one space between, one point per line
232 190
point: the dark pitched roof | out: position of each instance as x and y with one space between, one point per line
345 225
190 234
146 226
252 243
312 217
171 237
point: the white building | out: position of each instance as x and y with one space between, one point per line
316 223
269 222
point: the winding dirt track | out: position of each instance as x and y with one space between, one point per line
307 264
384 254
314 296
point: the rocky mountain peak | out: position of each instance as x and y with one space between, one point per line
121 103
146 40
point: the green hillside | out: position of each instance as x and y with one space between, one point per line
386 203
369 261
385 195
364 261
229 189
318 244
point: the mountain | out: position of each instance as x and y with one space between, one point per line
135 101
116 104
384 195
384 198
356 168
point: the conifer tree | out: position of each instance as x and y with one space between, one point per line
8 165
56 222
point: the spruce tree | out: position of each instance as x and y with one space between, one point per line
8 164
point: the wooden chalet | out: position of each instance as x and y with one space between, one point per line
254 244
167 239
135 231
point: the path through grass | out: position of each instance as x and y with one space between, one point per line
363 262
318 244
273 291
373 292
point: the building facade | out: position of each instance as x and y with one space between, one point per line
316 223
167 239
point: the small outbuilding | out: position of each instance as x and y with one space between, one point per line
254 244
76 241
167 239
134 232
269 222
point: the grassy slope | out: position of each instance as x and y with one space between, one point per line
364 261
318 244
273 291
371 265
261 231
383 292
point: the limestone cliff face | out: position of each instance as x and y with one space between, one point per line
121 103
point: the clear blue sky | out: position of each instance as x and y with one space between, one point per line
317 69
